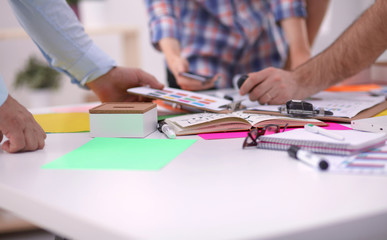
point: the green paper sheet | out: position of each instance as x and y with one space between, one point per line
122 154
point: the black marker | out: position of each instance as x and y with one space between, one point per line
308 158
228 97
241 80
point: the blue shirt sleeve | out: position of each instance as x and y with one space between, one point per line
162 21
3 92
55 29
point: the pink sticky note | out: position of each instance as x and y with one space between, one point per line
336 126
226 135
223 135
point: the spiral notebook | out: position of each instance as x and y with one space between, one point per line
355 141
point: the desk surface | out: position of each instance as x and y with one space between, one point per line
213 190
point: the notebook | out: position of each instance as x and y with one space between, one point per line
355 141
229 122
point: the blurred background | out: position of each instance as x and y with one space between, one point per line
120 28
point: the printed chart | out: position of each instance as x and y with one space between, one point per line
187 98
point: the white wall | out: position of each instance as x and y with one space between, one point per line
128 12
340 14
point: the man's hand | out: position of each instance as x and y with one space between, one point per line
189 84
112 86
20 127
178 65
272 86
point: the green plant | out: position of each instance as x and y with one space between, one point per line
37 75
73 2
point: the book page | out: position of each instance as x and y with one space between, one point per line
239 116
345 104
200 118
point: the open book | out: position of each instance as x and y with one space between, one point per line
228 122
354 141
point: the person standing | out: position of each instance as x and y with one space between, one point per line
55 29
227 38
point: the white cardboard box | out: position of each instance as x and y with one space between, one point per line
123 119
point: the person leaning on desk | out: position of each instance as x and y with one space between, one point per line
59 35
358 47
227 38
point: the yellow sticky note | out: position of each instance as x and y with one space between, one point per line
384 113
64 122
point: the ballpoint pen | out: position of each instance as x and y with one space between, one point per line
316 129
163 127
308 158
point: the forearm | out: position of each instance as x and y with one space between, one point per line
316 10
297 37
358 47
170 48
162 21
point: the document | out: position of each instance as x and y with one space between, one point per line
371 162
342 104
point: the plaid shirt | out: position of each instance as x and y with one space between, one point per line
225 36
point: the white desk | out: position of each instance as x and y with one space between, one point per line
213 190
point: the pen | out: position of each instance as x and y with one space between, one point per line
163 127
316 129
308 158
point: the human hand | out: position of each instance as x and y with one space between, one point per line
178 65
112 86
191 84
20 127
272 86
